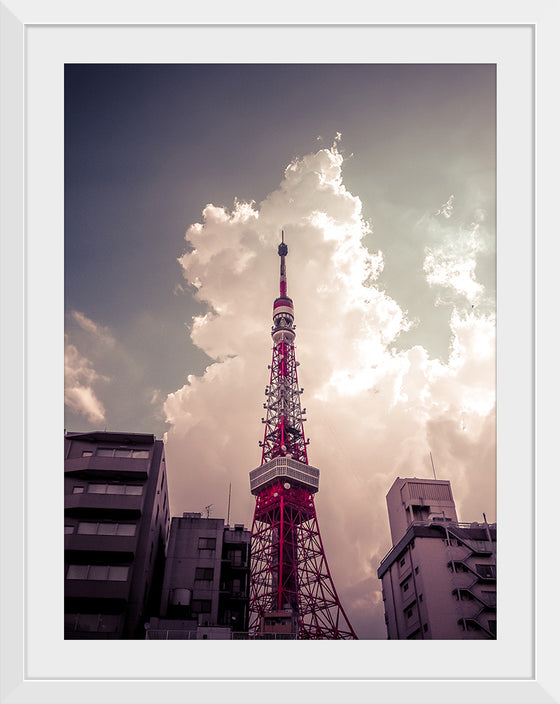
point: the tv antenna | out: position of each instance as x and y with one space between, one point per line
433 468
208 510
228 503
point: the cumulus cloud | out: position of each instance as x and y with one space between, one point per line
375 413
79 377
453 264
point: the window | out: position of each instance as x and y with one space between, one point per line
207 543
77 572
114 573
97 488
236 557
87 453
486 571
128 489
123 452
108 623
204 574
401 563
425 627
118 573
104 452
106 529
140 454
78 489
133 490
115 489
68 530
416 570
420 597
126 529
409 613
406 585
98 572
201 606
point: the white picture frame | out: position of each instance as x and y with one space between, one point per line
37 664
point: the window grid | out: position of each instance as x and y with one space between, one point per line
127 489
207 543
111 573
104 528
123 452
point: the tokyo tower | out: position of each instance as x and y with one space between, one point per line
292 594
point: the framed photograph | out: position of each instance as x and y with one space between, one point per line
42 48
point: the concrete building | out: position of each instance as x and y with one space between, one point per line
116 525
205 590
439 578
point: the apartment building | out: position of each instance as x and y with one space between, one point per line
116 526
439 578
205 592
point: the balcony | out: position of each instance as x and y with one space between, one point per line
132 468
95 589
82 504
284 468
100 543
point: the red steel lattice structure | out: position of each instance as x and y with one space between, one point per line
292 591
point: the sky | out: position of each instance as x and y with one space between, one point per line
178 182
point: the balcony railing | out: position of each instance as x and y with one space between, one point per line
138 468
168 634
477 547
115 502
102 543
264 636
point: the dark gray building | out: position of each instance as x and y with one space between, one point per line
205 590
116 527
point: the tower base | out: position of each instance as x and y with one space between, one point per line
291 586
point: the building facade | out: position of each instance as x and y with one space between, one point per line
439 578
116 526
205 590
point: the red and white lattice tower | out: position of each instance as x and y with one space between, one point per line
292 591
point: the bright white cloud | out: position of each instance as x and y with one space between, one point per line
374 413
453 265
79 376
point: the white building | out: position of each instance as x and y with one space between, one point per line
439 578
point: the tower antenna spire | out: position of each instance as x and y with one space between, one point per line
283 253
290 579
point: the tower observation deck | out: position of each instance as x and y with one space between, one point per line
292 591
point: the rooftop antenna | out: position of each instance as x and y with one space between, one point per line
433 468
208 510
228 503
